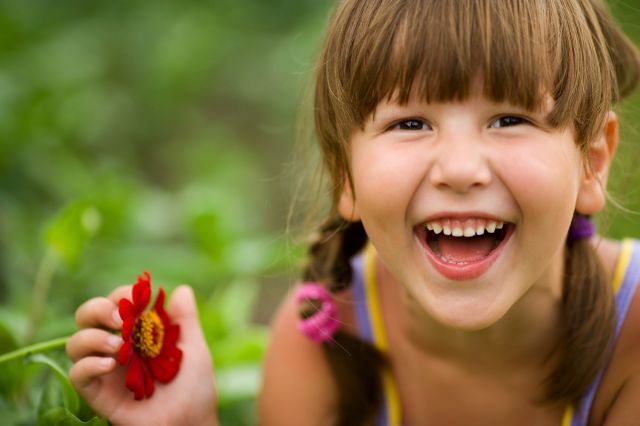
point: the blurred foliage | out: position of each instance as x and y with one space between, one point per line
146 135
157 135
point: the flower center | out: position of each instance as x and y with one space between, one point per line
148 334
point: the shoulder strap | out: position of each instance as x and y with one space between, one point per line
369 319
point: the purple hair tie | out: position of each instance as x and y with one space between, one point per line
323 324
581 227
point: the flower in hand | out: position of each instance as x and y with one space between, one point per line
149 349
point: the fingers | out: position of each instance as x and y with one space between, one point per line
98 312
124 291
91 341
102 311
83 373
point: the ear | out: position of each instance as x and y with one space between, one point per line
591 196
347 202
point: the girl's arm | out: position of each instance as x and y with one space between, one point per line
620 400
298 386
189 399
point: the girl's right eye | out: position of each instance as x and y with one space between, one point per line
410 124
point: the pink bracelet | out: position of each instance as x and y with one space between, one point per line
323 324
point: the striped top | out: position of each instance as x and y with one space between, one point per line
371 327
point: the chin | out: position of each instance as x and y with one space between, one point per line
469 322
465 315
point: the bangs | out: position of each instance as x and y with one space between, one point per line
441 50
519 52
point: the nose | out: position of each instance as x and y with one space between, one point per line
461 164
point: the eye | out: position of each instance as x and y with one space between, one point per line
507 121
410 124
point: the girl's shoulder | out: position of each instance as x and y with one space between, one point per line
618 399
297 381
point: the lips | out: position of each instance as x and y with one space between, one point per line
463 249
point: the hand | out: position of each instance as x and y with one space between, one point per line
189 399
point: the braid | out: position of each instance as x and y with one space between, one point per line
356 364
588 316
332 250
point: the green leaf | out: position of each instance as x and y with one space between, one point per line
60 416
10 372
70 397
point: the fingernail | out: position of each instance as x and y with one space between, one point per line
116 318
106 363
114 341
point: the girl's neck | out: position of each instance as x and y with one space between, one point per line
525 335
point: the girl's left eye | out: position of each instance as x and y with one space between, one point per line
410 124
507 121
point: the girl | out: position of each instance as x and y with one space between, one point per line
467 142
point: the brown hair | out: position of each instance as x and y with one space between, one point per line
522 51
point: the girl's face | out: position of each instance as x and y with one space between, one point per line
495 176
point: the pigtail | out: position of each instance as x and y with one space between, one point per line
588 307
588 300
588 317
356 364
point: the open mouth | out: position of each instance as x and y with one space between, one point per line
463 249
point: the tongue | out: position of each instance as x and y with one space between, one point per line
456 249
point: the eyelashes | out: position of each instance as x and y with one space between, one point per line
419 124
410 124
507 121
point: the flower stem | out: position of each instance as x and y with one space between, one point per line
35 348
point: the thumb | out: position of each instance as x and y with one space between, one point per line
184 311
183 304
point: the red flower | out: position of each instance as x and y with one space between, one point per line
149 347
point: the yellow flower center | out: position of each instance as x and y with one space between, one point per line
148 334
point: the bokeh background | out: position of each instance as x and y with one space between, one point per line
161 135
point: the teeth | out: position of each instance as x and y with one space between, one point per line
469 231
436 227
464 230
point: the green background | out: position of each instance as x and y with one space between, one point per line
161 135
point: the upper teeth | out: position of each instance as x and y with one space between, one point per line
466 228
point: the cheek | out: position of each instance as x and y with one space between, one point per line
544 178
385 179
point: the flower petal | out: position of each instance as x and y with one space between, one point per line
149 387
125 352
127 328
165 368
126 309
141 293
135 377
159 305
171 334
